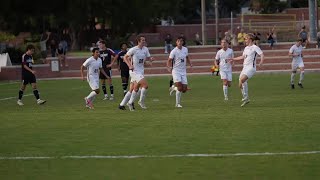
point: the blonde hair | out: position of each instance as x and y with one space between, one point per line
250 36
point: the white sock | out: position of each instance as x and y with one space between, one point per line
225 90
133 96
139 92
125 99
301 77
292 77
178 97
245 90
143 94
91 95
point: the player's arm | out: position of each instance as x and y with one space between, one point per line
113 60
127 60
236 58
28 69
104 73
292 54
189 61
150 59
261 59
81 70
169 64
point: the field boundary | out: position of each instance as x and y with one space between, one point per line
159 156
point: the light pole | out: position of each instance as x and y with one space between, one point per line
217 18
312 20
203 19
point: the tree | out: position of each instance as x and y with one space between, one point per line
267 6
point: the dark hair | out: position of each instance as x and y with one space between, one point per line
95 49
251 36
102 42
224 39
121 44
30 46
139 38
299 39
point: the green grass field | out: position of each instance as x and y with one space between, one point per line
277 120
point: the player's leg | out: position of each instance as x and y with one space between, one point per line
301 75
223 75
144 88
243 85
127 97
94 85
133 95
103 86
36 94
124 78
22 88
109 73
293 73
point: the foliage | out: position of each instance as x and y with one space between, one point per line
267 6
5 37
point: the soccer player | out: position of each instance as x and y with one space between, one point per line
295 53
249 56
225 67
106 55
93 65
138 54
122 66
178 58
28 76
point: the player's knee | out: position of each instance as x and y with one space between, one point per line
97 91
294 72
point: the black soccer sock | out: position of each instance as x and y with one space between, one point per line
124 86
171 82
36 94
104 89
111 88
20 94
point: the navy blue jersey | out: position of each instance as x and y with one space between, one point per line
28 61
121 63
105 56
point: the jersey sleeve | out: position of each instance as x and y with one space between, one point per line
86 63
100 63
291 50
218 56
258 50
171 56
131 51
148 53
232 53
112 52
24 59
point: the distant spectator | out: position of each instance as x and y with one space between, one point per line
270 38
228 37
43 44
168 44
241 36
53 47
318 39
197 39
61 52
257 37
303 34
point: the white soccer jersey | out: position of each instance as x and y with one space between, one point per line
222 56
250 56
139 56
296 51
93 67
179 58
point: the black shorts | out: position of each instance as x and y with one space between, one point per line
108 72
28 79
125 73
304 40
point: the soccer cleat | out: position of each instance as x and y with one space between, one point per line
226 98
111 98
122 107
292 86
142 105
300 85
246 101
105 98
178 106
88 103
130 107
20 103
40 101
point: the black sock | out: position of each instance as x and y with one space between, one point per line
171 82
124 86
36 94
104 89
20 94
111 88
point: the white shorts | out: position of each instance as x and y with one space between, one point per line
136 77
179 77
248 71
93 82
297 64
226 75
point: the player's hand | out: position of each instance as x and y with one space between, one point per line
229 60
260 65
109 65
151 59
169 69
33 72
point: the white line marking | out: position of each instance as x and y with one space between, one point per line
159 156
14 97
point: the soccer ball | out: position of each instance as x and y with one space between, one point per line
214 69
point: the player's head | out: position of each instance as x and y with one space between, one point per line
141 40
179 41
95 52
123 46
30 49
102 44
249 38
224 43
299 41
